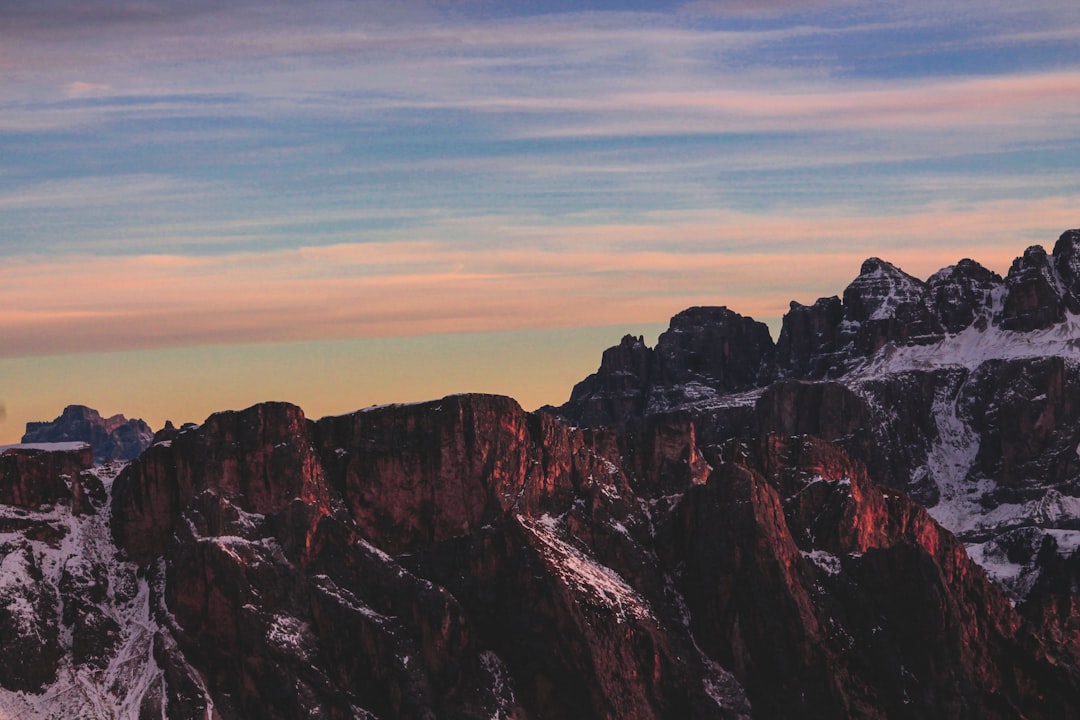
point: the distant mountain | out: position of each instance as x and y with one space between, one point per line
963 390
725 528
112 438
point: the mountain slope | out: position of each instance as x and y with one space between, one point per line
463 558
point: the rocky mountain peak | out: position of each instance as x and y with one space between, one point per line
711 353
715 347
1033 299
1067 263
965 294
885 304
810 339
112 438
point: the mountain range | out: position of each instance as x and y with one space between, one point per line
875 516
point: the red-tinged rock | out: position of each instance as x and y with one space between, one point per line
32 478
537 570
413 475
857 579
263 457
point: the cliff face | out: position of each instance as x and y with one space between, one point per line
464 558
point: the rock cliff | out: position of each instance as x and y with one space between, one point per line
463 558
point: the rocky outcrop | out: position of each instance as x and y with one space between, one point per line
709 355
51 603
885 304
263 457
810 339
1033 299
112 438
1067 265
706 352
714 347
813 599
964 295
31 478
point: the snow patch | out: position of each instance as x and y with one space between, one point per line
972 347
131 674
824 560
583 574
1016 579
501 687
1068 541
48 447
286 633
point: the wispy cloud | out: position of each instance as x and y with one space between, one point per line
641 272
180 173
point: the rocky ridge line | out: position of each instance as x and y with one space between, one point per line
463 558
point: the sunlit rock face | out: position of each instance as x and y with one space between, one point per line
464 558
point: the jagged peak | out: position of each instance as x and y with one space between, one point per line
1067 265
1068 244
965 268
877 266
874 268
699 314
1035 258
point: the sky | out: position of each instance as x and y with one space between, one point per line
204 205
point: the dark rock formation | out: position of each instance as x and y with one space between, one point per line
112 438
32 478
42 595
1033 300
885 304
710 353
963 295
619 390
1067 264
810 339
706 351
819 598
714 347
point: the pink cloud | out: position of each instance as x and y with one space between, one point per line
540 277
80 88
